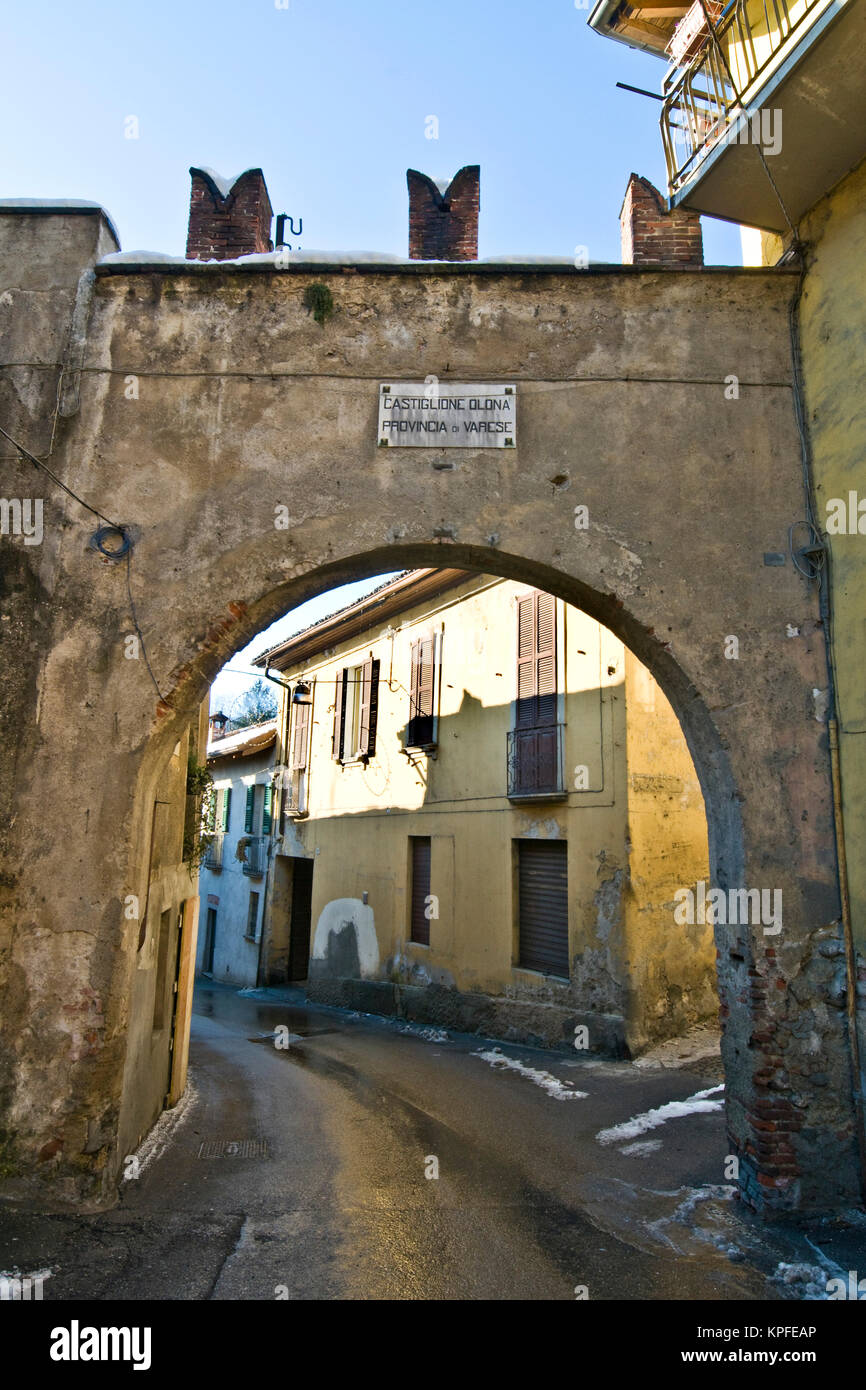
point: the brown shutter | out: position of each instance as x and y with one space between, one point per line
339 716
536 661
369 708
422 688
543 905
525 718
420 924
545 637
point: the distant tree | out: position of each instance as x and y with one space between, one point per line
254 706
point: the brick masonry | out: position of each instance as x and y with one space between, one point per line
653 236
444 226
221 228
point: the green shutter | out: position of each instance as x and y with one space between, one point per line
266 813
251 803
227 807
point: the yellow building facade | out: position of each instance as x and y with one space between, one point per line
487 807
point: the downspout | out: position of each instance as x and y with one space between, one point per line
813 561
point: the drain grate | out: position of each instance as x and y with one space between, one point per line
233 1148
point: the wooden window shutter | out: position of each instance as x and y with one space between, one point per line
545 637
250 810
369 708
339 717
226 808
422 688
526 671
266 810
300 737
536 661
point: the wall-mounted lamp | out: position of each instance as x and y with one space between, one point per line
300 690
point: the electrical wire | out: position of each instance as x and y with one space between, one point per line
124 550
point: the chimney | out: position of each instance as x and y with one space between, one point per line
217 726
228 218
653 236
443 219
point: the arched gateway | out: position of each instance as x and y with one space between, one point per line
204 406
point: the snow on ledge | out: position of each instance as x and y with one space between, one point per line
283 258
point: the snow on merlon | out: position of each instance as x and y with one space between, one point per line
223 185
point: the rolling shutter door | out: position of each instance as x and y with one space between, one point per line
543 905
420 846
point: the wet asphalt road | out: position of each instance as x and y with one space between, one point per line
528 1203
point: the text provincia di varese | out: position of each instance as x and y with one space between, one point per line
486 404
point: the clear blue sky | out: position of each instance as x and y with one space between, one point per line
331 99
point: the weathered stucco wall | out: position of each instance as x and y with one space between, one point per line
244 403
672 965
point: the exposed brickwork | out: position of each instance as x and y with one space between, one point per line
444 227
796 1057
653 236
237 225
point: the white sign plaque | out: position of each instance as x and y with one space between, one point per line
447 415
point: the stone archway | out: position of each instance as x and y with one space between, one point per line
247 410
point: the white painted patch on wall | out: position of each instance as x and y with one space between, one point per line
333 918
698 1104
559 1090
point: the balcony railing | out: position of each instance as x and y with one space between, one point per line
214 856
535 764
256 856
702 105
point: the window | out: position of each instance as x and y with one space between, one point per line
253 917
356 707
294 799
536 661
419 846
542 896
267 806
225 808
250 813
422 690
535 745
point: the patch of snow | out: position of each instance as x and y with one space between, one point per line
642 1150
252 991
150 257
711 1192
433 1035
224 185
48 203
559 1090
810 1281
156 1142
533 260
283 257
698 1104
